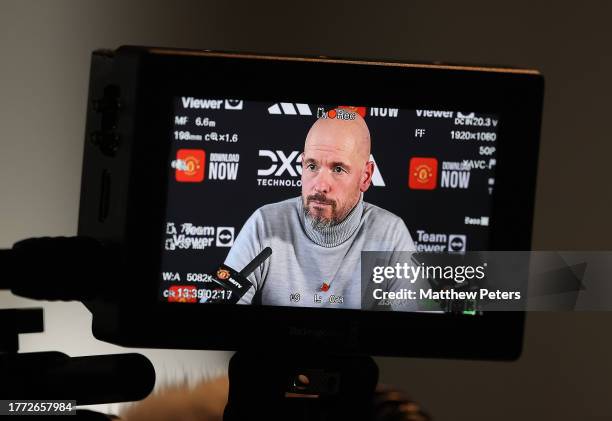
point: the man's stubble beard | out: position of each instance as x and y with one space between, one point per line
320 223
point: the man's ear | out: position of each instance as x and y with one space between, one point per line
366 177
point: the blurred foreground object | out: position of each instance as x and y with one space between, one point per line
206 402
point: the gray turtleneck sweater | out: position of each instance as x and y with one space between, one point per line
304 259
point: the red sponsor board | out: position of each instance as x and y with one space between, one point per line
423 173
190 165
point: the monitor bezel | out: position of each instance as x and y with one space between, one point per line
151 78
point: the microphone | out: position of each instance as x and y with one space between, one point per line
234 284
258 260
58 268
89 380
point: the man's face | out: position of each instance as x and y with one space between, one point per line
335 169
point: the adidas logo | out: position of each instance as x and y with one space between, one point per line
288 108
377 179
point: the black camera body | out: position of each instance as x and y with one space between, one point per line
152 164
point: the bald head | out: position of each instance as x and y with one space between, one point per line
351 136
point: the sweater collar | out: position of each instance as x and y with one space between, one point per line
337 234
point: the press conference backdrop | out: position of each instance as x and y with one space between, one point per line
433 168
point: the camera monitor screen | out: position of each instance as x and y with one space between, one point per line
318 184
296 200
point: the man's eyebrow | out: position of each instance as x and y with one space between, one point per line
331 164
340 164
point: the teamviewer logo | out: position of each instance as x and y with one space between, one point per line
225 237
456 243
233 104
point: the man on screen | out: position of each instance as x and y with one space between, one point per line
317 238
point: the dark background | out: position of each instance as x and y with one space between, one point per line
565 369
441 210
